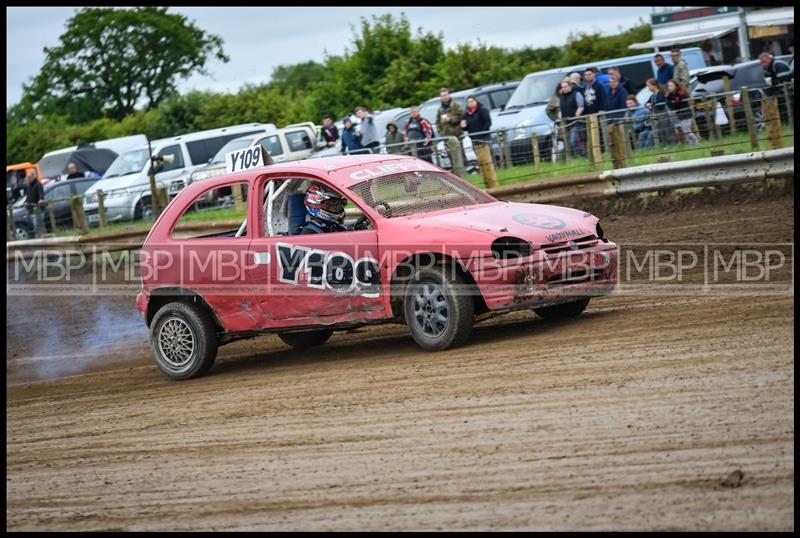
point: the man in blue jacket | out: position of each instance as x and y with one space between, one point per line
664 73
615 99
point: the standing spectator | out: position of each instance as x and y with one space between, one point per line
678 104
664 72
615 102
594 95
72 171
770 73
369 132
448 123
18 189
394 139
34 201
418 131
478 122
640 125
351 141
329 134
680 68
576 80
623 82
572 105
707 47
553 109
658 112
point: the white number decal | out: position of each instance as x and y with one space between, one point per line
243 159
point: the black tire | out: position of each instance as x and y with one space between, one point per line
177 326
142 210
23 231
437 310
563 310
306 339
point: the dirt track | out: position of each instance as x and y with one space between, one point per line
627 418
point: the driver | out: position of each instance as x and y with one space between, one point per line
325 209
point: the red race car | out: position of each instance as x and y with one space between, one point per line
342 242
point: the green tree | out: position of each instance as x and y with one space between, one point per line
111 60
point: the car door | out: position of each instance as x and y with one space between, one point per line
314 279
61 198
166 172
300 143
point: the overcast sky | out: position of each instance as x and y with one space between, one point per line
259 38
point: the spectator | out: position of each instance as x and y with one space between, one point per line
680 68
35 200
18 189
658 109
707 47
72 171
478 122
572 106
640 125
615 102
394 139
664 73
351 141
594 95
448 123
575 78
678 104
329 133
623 82
418 131
770 74
369 132
553 109
656 100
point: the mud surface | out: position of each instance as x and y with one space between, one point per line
634 416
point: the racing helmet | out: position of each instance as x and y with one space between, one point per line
325 205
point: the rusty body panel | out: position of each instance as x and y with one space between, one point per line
260 283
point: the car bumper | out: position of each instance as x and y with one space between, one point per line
116 209
543 280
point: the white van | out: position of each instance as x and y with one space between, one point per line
126 185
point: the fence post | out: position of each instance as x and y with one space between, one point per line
748 113
11 232
726 85
51 210
238 200
788 101
80 216
537 159
163 199
101 208
39 216
772 118
596 151
562 125
710 108
507 150
605 132
618 141
695 130
486 162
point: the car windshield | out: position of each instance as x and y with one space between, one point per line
233 145
428 110
130 162
411 193
535 89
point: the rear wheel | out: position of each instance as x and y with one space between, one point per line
184 340
437 309
306 339
563 310
144 210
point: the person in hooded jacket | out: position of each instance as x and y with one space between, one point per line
477 121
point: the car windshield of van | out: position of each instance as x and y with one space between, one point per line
534 90
233 145
130 162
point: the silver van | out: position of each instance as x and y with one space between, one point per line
126 184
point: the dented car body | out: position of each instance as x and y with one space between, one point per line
423 247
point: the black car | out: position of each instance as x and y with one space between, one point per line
750 74
60 194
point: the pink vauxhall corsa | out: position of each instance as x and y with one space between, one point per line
417 245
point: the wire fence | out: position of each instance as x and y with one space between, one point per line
737 121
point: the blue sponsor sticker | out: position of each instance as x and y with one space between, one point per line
536 220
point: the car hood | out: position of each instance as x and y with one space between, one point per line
534 116
118 182
536 223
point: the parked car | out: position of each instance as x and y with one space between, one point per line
422 247
525 114
126 184
750 74
60 195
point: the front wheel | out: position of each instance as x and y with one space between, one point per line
564 310
438 310
184 340
306 339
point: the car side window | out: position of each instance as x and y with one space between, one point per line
223 218
177 162
82 186
484 100
272 144
59 193
298 141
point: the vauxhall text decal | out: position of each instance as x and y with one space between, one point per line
335 271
